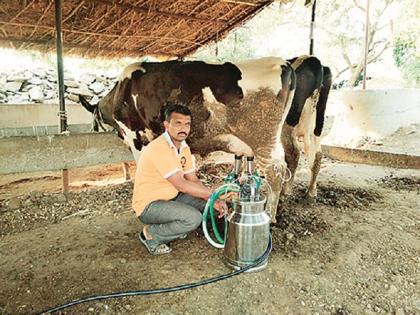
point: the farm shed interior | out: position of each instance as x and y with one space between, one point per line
123 28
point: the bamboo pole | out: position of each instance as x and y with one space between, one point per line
366 44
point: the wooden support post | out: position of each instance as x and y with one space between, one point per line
65 181
126 170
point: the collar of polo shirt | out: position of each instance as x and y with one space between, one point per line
168 139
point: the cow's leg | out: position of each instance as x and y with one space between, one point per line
132 138
274 174
314 160
291 155
302 96
315 154
95 125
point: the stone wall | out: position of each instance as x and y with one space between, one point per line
40 86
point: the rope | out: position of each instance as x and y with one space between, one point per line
62 114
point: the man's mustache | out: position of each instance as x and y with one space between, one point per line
181 133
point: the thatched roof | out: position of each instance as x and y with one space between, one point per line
113 28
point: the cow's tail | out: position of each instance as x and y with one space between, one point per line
97 120
86 104
322 101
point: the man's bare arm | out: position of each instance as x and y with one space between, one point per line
193 177
190 184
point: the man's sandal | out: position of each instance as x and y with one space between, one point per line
153 246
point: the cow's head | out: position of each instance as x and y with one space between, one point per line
225 84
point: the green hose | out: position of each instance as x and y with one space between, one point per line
210 207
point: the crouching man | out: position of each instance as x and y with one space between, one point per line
168 196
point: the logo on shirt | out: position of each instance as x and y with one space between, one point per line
183 162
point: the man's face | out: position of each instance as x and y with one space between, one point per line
178 126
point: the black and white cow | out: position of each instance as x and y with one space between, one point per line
305 120
238 108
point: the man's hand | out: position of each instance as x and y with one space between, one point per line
229 196
220 203
221 207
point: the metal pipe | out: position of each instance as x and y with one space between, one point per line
60 73
311 34
366 44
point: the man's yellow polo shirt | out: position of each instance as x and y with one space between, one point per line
159 160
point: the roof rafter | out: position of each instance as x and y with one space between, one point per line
51 45
155 12
65 30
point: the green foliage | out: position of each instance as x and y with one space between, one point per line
404 51
237 45
244 42
339 36
406 60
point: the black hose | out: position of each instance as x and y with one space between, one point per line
162 290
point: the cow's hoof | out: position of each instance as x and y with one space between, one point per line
282 199
279 222
310 199
275 225
286 191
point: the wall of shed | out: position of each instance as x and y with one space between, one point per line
29 115
56 152
379 113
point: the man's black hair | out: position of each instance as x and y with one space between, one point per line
176 108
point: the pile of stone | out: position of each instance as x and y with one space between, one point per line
40 86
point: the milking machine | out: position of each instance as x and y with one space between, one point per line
246 234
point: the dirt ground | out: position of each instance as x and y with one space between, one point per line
355 251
